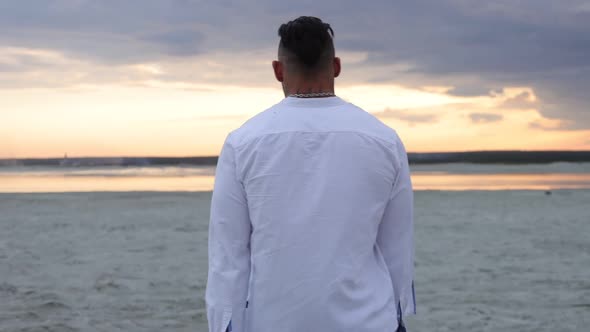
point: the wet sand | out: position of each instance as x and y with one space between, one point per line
137 261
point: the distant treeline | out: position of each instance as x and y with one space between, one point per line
500 157
112 161
479 157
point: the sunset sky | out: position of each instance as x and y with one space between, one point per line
172 78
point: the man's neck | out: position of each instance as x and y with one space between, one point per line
309 88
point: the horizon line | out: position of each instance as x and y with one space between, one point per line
216 156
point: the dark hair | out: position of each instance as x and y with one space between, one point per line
308 41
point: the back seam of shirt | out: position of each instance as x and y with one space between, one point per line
393 144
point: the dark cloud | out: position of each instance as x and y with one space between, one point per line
565 97
485 117
542 44
112 31
471 91
177 42
477 47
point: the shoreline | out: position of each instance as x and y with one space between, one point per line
491 157
171 192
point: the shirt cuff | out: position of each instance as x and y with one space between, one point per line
218 319
407 302
222 319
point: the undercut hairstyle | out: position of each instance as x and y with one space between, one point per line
308 43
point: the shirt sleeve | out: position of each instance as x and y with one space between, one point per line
229 247
395 238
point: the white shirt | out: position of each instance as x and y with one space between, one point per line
311 223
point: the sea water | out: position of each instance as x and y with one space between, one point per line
28 179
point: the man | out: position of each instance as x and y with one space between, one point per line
311 217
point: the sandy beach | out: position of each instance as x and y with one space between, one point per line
137 261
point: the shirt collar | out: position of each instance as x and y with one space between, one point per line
313 102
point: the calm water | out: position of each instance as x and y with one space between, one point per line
179 178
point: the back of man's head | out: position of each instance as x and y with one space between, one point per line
307 45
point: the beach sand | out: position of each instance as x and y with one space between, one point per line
137 261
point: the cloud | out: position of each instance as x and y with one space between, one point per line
485 117
541 44
45 68
541 125
470 91
523 100
178 42
408 116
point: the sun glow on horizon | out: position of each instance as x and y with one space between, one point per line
165 119
156 109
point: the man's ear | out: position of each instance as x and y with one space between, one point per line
277 67
337 66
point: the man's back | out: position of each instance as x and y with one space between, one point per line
325 189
